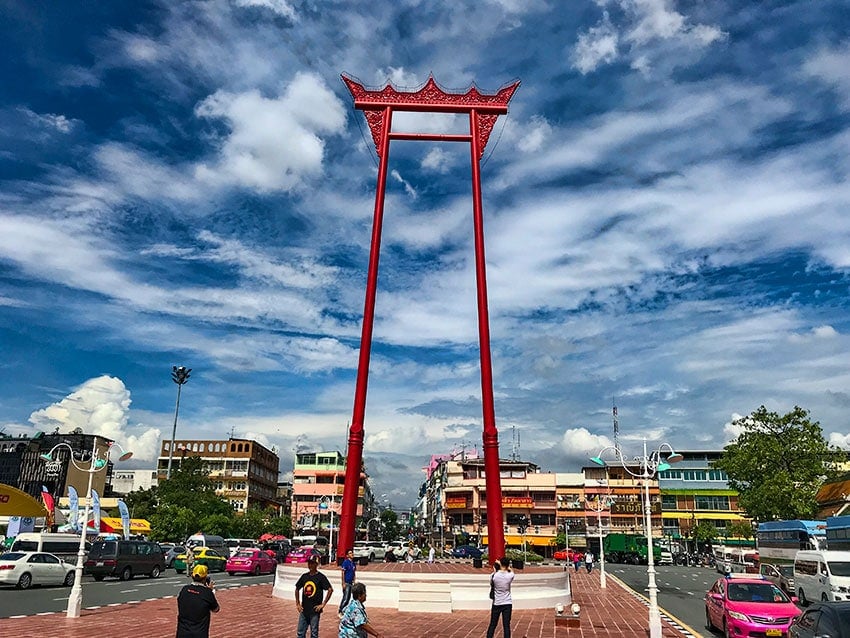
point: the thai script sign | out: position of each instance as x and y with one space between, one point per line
635 507
456 502
517 501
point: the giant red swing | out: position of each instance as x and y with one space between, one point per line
483 111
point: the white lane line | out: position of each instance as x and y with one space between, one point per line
128 591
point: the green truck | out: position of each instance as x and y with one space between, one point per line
629 548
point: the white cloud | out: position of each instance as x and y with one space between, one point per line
280 7
840 440
50 121
580 442
100 406
646 24
273 143
829 65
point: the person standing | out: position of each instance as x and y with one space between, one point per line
576 560
348 570
196 602
588 561
190 561
354 622
309 600
502 604
431 553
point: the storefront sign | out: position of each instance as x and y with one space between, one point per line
517 501
53 468
635 507
455 503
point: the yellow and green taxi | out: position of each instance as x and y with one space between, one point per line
214 561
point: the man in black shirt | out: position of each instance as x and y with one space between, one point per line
308 598
195 602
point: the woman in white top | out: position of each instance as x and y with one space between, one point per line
502 602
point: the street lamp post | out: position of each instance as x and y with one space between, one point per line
96 464
650 465
180 376
331 523
601 505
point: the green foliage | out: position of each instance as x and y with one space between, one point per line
740 529
279 525
704 532
173 523
142 503
391 527
218 524
527 556
777 464
560 540
252 524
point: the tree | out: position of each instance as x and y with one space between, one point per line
704 532
142 503
390 524
777 464
740 529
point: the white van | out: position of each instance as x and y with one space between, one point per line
822 575
65 546
235 544
215 543
319 543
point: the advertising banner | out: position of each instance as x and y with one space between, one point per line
74 504
95 506
125 518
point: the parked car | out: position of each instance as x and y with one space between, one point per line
467 551
665 558
782 575
279 548
362 550
379 550
214 561
750 606
830 619
24 569
124 559
301 554
170 552
250 561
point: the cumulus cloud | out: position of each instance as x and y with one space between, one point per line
273 143
732 430
581 442
840 440
100 406
829 66
644 24
279 7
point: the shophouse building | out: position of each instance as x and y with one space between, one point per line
244 472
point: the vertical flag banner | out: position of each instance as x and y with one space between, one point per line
74 504
125 518
95 505
50 504
14 527
27 524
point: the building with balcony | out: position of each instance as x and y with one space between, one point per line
318 485
244 472
693 492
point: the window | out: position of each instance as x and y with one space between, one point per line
711 503
717 475
694 475
670 474
669 502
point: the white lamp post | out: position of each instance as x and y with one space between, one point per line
650 465
96 464
601 505
331 524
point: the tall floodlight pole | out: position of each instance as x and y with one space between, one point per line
96 464
180 376
650 465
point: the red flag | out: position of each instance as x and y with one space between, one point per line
49 503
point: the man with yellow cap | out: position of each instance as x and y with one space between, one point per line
195 602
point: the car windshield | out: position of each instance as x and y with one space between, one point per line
787 570
12 556
245 553
839 568
756 593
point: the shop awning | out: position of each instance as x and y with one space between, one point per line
14 502
702 516
516 539
114 526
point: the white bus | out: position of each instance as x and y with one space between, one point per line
65 546
822 575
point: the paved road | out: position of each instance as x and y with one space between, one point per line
15 602
680 589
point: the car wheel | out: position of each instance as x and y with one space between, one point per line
801 595
98 577
155 571
126 573
231 573
25 581
371 558
257 570
69 579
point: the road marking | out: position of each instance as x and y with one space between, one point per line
128 591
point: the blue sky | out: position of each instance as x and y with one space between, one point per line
188 184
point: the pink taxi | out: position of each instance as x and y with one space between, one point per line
748 607
250 560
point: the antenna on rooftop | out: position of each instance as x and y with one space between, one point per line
232 429
616 425
514 444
